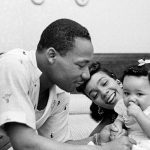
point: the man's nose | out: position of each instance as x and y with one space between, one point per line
86 74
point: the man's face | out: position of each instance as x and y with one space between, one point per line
72 69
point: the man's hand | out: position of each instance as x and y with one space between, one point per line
122 143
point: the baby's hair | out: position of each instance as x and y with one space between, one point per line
138 71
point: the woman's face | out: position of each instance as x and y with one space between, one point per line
103 90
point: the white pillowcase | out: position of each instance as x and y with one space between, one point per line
79 104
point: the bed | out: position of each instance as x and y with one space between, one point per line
79 117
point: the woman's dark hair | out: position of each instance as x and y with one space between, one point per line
95 67
98 113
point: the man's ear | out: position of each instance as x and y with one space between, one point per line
51 55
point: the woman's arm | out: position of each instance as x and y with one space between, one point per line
23 137
116 129
101 125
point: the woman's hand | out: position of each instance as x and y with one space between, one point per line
103 136
116 130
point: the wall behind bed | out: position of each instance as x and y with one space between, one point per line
117 62
115 25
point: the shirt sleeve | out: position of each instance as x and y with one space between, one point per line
15 103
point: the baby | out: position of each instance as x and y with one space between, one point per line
134 110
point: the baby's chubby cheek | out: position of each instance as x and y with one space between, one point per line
126 103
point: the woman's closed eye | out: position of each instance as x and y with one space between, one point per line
103 82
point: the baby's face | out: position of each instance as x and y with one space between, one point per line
136 89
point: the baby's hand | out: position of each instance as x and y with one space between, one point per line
116 130
133 109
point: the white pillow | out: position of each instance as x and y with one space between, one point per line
79 104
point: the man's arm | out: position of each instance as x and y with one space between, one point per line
122 143
82 141
23 137
101 125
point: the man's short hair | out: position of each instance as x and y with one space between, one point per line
61 35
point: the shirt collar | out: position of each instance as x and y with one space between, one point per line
59 90
32 57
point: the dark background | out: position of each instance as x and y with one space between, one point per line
117 62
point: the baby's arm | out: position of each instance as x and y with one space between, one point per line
142 119
144 122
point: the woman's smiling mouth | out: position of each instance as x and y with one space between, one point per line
110 99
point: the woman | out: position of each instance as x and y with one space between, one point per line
105 90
